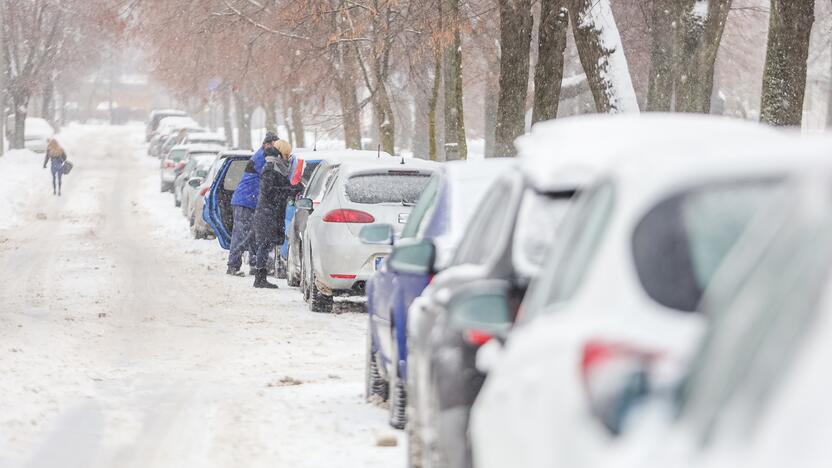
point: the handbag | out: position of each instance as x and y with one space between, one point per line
66 168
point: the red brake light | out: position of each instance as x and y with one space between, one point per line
204 191
336 276
599 353
180 165
477 337
169 163
348 216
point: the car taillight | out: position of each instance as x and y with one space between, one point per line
348 216
204 191
181 165
476 337
169 164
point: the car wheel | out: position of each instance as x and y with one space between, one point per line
318 302
280 264
397 395
176 202
162 187
292 275
374 385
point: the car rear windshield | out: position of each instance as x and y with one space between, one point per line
391 187
679 244
177 155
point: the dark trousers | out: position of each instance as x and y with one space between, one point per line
57 172
263 251
242 237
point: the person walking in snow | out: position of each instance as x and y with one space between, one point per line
275 190
243 203
57 156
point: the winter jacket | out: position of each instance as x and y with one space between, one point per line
247 192
55 158
275 190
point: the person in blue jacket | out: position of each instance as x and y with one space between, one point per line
243 204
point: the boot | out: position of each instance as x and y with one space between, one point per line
261 282
234 272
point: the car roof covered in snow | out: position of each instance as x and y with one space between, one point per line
209 136
236 152
339 155
354 166
170 112
649 155
202 148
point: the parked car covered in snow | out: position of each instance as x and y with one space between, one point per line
195 170
381 190
313 171
624 277
431 235
503 247
156 116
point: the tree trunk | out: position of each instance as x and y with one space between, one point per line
271 114
828 101
492 95
20 101
227 126
296 108
243 111
662 35
548 73
455 145
515 44
432 104
602 56
784 78
286 122
698 39
2 121
48 102
350 114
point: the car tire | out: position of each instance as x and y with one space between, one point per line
176 202
162 187
397 394
279 264
374 385
318 302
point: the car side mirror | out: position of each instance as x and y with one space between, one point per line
481 311
413 256
195 182
304 204
377 234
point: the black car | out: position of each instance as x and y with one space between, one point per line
503 247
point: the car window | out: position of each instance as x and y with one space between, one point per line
402 187
419 212
308 170
234 174
681 241
572 251
177 155
539 216
757 327
319 181
486 226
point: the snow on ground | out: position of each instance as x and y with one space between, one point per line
125 344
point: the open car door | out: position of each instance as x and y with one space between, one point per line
217 212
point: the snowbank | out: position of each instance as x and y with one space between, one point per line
22 174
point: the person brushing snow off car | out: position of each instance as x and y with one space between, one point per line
275 190
243 203
57 156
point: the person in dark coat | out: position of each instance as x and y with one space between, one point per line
243 203
275 190
57 156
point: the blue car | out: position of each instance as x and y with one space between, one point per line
441 214
217 212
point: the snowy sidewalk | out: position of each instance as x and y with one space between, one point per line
126 345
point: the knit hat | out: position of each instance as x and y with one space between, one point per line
270 137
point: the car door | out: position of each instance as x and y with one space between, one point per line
314 190
217 212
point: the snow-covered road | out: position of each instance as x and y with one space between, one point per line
123 343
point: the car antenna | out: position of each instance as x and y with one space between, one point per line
378 153
402 160
315 144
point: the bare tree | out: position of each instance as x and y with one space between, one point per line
602 56
548 74
515 43
455 145
784 79
663 37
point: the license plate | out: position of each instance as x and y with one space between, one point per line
377 263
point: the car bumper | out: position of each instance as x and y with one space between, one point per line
168 177
344 263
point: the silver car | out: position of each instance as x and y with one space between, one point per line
336 262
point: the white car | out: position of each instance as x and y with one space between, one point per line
755 394
625 276
37 135
383 190
206 138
